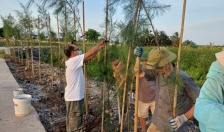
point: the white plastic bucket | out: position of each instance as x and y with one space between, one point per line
22 104
17 91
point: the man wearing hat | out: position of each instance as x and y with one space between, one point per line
147 91
160 59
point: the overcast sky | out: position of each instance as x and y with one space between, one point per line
204 19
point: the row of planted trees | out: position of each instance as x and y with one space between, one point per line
139 15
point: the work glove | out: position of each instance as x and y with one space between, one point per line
177 122
138 51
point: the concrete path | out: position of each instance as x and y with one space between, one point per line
8 121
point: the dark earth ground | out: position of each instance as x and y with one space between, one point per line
49 102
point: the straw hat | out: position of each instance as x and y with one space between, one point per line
159 57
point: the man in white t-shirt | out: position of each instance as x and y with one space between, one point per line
74 91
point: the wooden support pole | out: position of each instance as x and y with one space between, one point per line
59 43
178 58
22 51
27 54
105 67
136 94
51 50
137 74
84 65
39 67
31 50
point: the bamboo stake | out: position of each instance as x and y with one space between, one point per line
125 85
32 62
13 49
178 58
27 54
84 65
136 95
39 68
18 48
129 102
18 51
31 50
65 39
74 23
105 68
22 51
59 51
59 44
137 75
119 109
52 67
65 31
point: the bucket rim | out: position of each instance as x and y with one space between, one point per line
27 96
18 89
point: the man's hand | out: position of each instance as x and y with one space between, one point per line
138 51
102 42
177 122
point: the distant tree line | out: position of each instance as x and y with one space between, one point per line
146 37
68 27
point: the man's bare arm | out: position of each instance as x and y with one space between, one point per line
92 52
